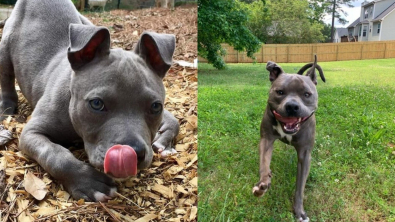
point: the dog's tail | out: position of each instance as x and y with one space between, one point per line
309 65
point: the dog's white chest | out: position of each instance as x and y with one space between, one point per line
280 131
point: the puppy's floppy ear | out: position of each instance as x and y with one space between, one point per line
274 70
157 51
86 43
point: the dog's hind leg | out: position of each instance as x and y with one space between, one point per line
9 97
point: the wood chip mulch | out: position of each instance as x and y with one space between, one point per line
167 191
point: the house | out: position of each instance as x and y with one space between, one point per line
376 22
339 35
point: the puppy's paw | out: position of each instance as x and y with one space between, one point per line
168 152
302 216
303 220
89 184
103 197
260 188
164 150
158 147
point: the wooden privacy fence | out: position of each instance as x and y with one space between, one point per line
288 53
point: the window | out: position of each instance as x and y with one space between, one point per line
378 28
365 28
360 30
368 12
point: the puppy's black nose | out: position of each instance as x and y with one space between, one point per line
292 108
140 153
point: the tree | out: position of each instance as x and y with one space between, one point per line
221 22
283 21
333 7
251 1
258 18
318 7
327 32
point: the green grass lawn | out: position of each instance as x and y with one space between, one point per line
352 176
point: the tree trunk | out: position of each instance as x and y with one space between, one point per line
333 19
82 5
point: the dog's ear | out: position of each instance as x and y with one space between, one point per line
311 72
87 42
274 70
157 51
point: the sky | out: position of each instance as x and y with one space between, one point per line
353 14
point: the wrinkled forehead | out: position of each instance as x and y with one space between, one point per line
294 81
122 69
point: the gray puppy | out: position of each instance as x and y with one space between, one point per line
81 89
289 117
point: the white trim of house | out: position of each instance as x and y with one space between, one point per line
386 15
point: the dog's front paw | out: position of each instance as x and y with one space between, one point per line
260 188
168 152
303 218
89 184
300 215
164 150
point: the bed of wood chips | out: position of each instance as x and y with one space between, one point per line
167 191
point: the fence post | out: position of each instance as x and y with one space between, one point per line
312 51
385 50
237 56
337 52
361 51
262 61
287 53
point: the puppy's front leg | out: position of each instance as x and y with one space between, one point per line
265 156
80 179
304 159
164 139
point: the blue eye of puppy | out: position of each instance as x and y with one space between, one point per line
156 108
97 104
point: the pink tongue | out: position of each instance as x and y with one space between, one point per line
287 120
120 161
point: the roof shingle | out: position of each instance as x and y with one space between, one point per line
384 13
352 25
342 31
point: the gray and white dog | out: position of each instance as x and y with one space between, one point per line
81 89
289 116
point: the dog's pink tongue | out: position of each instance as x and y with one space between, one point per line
120 161
286 120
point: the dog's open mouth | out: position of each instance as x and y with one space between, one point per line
290 125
